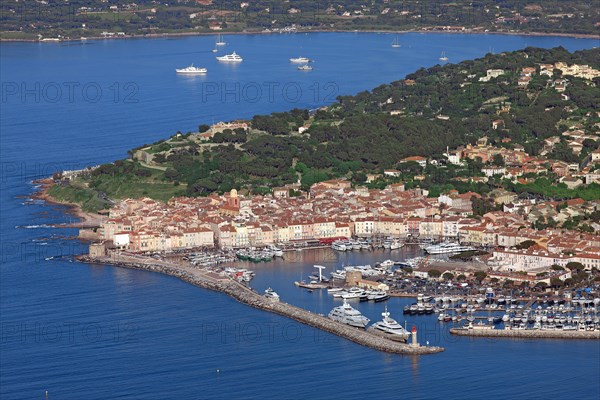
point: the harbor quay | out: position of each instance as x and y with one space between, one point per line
214 281
525 333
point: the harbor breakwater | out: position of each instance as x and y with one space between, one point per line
243 294
526 333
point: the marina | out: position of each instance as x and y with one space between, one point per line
243 294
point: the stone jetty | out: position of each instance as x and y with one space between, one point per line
217 282
526 333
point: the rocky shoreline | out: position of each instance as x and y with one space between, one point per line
87 219
213 281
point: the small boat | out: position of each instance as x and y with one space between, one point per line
305 68
300 60
277 252
271 294
443 56
395 43
191 70
220 41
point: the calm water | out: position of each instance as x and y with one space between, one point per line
97 332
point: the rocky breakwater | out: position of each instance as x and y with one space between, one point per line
526 333
214 281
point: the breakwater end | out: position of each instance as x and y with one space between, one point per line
526 333
214 281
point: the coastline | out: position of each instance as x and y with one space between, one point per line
86 219
183 34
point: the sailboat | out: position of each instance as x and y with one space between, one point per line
395 43
220 41
443 56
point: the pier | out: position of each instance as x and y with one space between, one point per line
526 333
243 294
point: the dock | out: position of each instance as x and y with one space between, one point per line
243 294
526 333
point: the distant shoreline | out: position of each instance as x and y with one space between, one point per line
183 34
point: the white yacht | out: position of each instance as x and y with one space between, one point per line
338 274
348 315
338 245
390 327
305 67
233 57
395 43
191 70
300 60
444 248
396 244
378 296
277 252
443 56
271 294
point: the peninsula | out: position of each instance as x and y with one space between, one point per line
50 21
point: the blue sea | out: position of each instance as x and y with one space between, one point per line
99 332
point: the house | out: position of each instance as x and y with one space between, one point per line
422 161
392 172
280 192
498 123
502 196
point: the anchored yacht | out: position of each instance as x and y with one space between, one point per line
348 315
443 248
300 60
233 57
271 294
191 70
390 327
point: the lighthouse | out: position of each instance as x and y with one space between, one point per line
414 337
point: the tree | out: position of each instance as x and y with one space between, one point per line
480 275
203 128
359 177
461 278
556 283
557 267
434 273
575 266
498 160
448 276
